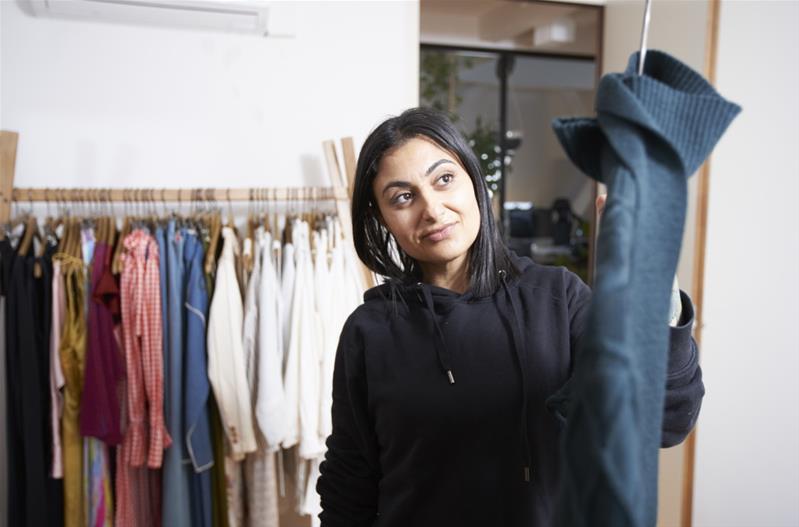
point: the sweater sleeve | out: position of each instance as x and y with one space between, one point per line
349 475
684 387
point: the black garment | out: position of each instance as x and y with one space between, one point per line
33 497
411 448
652 132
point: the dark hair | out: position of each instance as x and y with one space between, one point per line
373 242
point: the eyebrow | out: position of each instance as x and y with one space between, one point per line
405 184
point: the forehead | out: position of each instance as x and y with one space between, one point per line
411 159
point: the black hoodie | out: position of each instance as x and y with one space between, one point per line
439 402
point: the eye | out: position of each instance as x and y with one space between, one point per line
401 199
446 179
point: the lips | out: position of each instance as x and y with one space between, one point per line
440 233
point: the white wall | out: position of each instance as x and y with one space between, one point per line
747 458
105 104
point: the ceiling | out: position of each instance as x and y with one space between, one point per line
552 27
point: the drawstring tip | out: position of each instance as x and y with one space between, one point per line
527 474
451 378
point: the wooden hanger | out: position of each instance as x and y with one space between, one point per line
100 229
249 259
69 232
74 248
231 221
112 231
215 227
31 230
287 231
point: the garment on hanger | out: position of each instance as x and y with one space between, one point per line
652 132
302 367
96 479
227 373
100 411
56 373
139 487
270 398
260 476
219 502
323 304
250 310
31 492
73 356
43 300
160 240
338 315
175 479
287 279
197 389
100 420
300 385
226 368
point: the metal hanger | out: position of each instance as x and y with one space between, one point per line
644 34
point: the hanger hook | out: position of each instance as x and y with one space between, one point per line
644 35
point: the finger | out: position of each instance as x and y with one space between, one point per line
600 203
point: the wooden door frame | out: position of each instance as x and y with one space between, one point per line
697 293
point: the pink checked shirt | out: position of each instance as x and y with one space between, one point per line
146 436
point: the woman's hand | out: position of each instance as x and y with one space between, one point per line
600 203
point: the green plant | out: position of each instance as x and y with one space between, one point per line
483 140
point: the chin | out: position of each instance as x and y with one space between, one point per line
441 255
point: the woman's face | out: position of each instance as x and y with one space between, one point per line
427 201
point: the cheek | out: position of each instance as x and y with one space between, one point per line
400 225
469 211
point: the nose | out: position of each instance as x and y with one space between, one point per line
433 209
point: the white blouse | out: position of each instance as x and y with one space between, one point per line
226 359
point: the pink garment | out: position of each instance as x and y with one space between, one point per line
146 436
59 306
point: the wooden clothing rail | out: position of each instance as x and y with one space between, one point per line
340 192
165 195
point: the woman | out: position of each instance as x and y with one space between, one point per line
434 421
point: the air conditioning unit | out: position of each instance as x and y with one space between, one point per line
253 17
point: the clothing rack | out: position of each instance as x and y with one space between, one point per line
165 195
340 192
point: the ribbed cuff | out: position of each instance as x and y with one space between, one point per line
681 352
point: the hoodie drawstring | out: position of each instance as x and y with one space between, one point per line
444 356
514 318
517 333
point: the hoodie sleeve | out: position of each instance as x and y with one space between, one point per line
349 474
684 387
